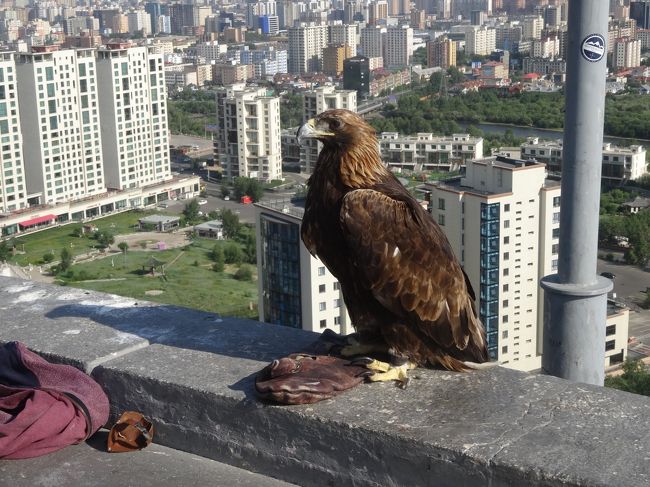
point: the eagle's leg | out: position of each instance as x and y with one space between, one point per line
351 345
397 370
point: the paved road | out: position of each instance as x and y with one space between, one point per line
203 143
630 281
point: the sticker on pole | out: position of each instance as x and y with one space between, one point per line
593 48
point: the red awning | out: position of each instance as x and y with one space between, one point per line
37 220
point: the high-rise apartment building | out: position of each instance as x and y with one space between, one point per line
356 75
377 12
333 58
507 35
295 288
626 53
480 40
532 27
640 12
418 19
441 52
344 34
13 190
398 47
59 107
133 111
306 44
317 101
502 220
247 140
139 22
372 41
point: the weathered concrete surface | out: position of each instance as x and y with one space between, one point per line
89 465
493 427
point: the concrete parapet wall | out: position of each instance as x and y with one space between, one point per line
192 373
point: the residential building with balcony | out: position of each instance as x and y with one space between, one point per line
502 220
133 111
59 105
441 52
247 138
620 164
306 44
317 101
428 152
398 47
295 288
13 186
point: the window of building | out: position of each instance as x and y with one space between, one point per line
506 207
556 217
505 288
504 349
322 306
554 264
555 248
610 345
337 303
506 256
504 334
610 330
505 303
556 201
441 203
556 233
506 223
321 271
323 323
441 220
321 288
506 240
506 272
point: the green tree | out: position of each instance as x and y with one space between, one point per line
244 273
230 222
225 191
216 254
104 238
5 251
47 258
420 56
455 75
635 378
123 246
218 267
66 260
232 254
191 211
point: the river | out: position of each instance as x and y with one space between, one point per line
518 131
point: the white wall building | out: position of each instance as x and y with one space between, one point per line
58 102
133 109
428 152
480 40
532 27
295 289
211 50
317 101
502 220
247 141
13 189
398 47
626 53
620 164
139 21
306 44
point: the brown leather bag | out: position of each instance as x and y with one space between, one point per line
131 432
305 379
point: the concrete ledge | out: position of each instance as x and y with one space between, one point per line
193 373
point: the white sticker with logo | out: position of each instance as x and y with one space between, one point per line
593 48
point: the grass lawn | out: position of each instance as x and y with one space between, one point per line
55 239
188 281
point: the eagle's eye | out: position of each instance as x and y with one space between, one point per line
335 124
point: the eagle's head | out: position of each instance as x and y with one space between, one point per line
338 127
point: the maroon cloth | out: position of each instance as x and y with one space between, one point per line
45 407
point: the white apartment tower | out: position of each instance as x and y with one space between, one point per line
372 41
306 44
13 190
58 100
626 53
247 140
133 110
398 47
317 101
502 220
480 40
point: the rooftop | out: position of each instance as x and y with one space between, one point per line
192 374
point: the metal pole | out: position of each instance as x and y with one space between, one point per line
576 298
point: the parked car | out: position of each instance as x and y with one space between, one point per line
202 202
608 275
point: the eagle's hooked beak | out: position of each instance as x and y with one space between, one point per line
310 131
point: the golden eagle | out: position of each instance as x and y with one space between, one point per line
403 287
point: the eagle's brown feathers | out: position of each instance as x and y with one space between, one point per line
400 279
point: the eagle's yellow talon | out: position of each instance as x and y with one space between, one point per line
386 372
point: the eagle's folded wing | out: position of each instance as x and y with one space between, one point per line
406 261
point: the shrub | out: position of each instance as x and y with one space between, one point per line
244 273
47 258
218 267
